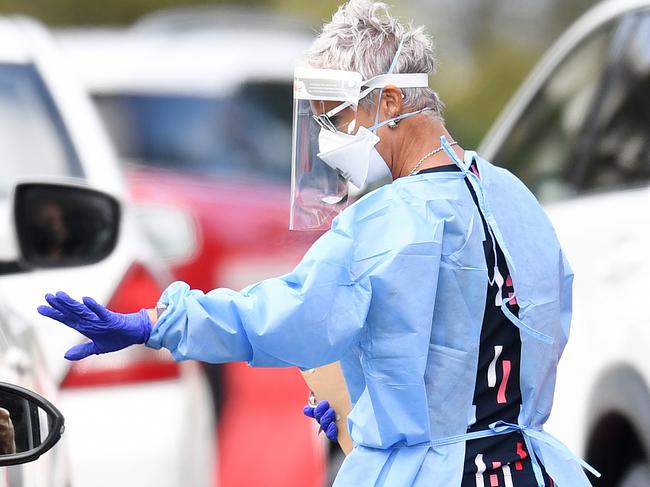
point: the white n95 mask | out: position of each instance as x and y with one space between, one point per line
354 157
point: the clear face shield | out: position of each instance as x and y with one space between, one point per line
332 159
318 191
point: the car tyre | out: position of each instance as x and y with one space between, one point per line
637 476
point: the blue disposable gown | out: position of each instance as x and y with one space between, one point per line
396 291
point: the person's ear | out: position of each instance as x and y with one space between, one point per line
392 101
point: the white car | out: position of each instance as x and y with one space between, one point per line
155 422
22 363
578 133
54 226
31 426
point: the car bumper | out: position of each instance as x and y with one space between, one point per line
158 433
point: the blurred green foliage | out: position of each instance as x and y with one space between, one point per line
74 12
474 102
474 92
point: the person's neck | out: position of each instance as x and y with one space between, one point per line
421 137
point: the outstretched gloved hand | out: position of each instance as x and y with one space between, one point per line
108 331
326 417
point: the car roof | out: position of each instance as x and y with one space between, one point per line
597 16
204 61
13 45
187 18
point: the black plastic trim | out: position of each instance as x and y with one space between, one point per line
29 262
56 431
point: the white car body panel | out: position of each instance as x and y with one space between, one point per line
11 50
21 363
607 250
156 422
159 62
111 430
8 244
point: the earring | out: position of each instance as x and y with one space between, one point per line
392 124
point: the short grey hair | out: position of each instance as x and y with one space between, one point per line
362 36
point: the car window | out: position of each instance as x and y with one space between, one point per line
617 152
33 141
539 149
247 133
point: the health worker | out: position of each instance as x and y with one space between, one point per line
444 294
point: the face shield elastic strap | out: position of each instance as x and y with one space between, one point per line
402 80
392 67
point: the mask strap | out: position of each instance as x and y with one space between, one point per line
403 80
397 119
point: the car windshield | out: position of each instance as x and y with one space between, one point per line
33 141
247 133
540 147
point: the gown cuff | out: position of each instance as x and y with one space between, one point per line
169 299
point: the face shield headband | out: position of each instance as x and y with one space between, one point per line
418 80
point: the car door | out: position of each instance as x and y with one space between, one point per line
33 144
21 363
13 475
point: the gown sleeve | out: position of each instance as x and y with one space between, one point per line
307 318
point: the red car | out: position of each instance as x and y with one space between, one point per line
242 236
205 116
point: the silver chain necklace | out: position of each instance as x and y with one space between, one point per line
426 156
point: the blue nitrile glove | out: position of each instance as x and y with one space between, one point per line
326 417
108 331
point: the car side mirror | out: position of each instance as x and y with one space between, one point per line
29 425
60 225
